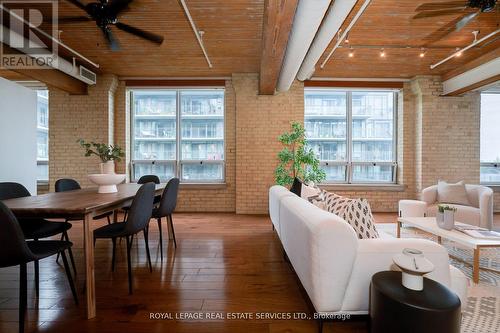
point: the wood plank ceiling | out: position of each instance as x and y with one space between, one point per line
233 39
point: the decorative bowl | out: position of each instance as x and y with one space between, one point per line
107 181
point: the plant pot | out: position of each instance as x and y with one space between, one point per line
439 217
108 167
449 220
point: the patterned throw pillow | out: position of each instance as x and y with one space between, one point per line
356 212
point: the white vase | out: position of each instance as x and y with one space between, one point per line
439 217
108 167
449 220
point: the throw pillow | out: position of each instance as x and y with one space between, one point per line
356 212
309 191
452 193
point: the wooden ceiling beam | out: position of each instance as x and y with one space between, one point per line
51 77
278 19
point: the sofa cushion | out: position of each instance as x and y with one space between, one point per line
452 193
308 191
356 212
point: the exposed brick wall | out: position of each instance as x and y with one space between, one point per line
259 122
73 117
438 138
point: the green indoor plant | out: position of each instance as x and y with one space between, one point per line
296 159
106 153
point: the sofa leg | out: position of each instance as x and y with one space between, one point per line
320 325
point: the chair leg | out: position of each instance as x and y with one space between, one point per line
23 295
129 263
113 256
171 229
70 278
125 216
70 252
62 238
146 241
161 237
109 220
37 278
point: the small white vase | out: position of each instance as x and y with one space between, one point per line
449 220
108 167
439 217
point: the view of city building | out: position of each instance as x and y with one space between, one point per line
352 133
195 153
42 135
490 152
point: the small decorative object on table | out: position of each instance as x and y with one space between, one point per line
107 179
445 217
414 265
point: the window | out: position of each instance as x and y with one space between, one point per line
490 141
178 133
353 134
42 136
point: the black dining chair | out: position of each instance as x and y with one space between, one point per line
68 184
144 180
167 206
137 220
15 250
36 228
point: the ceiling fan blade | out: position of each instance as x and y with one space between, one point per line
139 32
113 43
78 4
466 19
73 19
441 5
116 6
442 32
433 13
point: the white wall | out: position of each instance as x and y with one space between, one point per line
18 134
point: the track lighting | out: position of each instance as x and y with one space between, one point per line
346 40
458 52
422 53
382 53
351 52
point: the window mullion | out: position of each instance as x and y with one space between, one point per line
178 155
349 136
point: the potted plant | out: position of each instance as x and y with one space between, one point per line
107 153
296 159
445 217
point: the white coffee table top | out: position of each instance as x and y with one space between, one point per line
429 224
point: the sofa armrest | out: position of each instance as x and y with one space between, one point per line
486 207
430 195
375 255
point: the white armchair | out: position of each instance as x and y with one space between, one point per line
479 213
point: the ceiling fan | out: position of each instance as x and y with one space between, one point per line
105 14
469 8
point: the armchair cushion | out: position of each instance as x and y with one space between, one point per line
452 193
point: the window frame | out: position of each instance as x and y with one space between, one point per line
487 164
178 162
349 163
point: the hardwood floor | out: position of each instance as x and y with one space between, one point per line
223 263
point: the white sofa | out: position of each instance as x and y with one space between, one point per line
479 213
333 265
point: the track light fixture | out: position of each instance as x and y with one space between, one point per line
346 40
422 53
382 53
351 52
459 53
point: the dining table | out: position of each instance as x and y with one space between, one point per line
82 204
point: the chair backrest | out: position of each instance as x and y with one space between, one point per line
14 249
141 209
149 179
10 190
66 184
169 197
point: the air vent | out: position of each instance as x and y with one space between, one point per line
87 75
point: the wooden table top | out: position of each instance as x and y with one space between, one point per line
73 203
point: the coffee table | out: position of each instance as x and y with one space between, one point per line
429 225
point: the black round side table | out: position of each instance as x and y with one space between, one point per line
394 308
